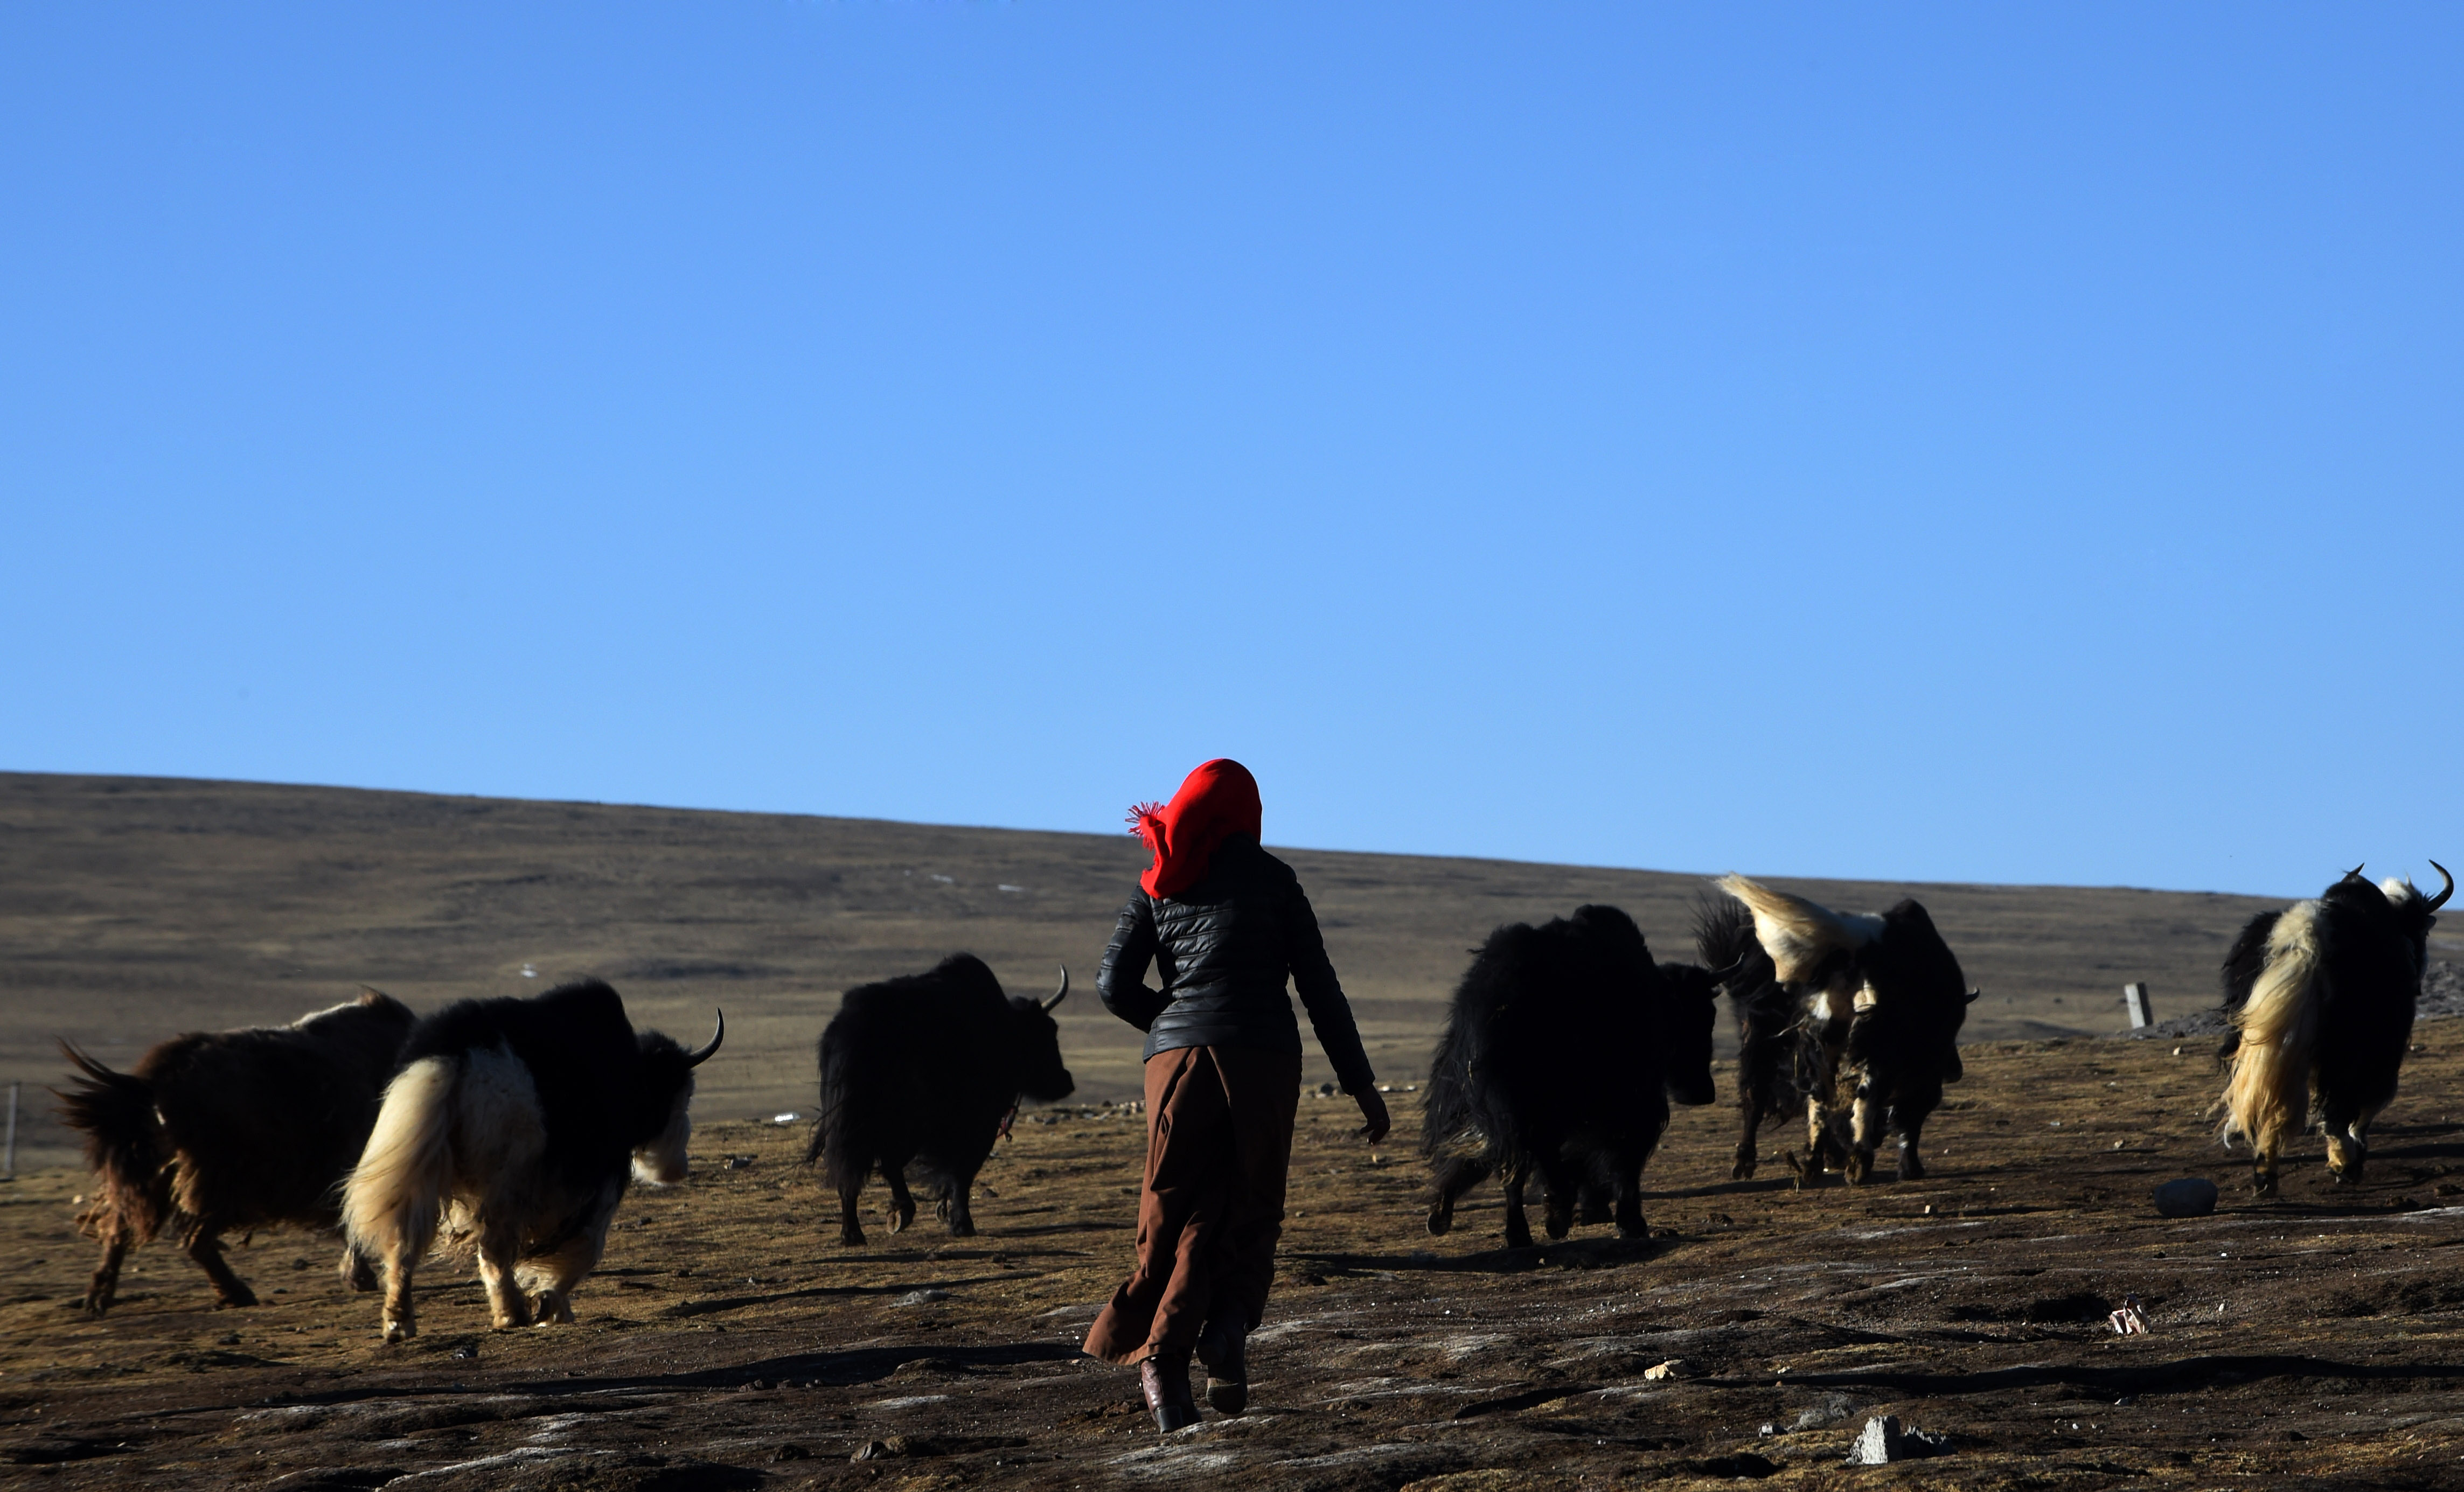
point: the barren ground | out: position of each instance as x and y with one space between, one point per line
729 1343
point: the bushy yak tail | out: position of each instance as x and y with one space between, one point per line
394 1197
124 1144
2268 1096
845 1161
1799 935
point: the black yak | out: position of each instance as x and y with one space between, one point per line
923 1070
1884 1001
223 1129
1563 1046
2321 997
515 1126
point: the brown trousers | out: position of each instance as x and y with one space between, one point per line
1219 1142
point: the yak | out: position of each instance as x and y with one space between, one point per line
2321 998
515 1124
1882 1002
223 1129
1562 1048
925 1071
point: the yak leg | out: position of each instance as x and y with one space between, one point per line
105 1284
961 1207
1518 1228
2348 1147
358 1270
1864 1127
1629 1198
1911 1146
555 1274
2262 1169
499 1245
204 1247
1452 1178
902 1204
1757 1063
850 1229
1561 1182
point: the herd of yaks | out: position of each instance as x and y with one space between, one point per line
508 1129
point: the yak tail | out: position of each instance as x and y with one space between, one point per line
2268 1096
835 1145
1798 934
393 1197
123 1145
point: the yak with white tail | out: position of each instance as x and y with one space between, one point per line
1882 1002
2321 997
514 1125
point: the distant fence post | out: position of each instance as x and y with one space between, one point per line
10 1172
2134 998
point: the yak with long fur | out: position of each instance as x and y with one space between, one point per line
1563 1046
219 1130
2321 997
924 1070
1880 1001
514 1125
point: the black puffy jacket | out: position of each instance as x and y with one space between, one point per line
1224 949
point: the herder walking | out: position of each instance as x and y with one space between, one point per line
1225 923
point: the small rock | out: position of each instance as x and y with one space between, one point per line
1324 1090
790 1452
1674 1368
881 1450
1885 1441
921 1297
466 1351
2190 1197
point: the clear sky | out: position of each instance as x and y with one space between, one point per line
1963 442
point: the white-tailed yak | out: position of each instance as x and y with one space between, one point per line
1882 1000
2320 997
514 1125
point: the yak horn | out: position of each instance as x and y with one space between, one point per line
701 1054
1723 975
1061 994
2355 872
1973 995
2440 900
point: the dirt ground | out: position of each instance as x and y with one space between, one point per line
729 1343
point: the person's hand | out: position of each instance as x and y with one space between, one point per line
1373 1110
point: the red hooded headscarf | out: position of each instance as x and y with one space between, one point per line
1220 798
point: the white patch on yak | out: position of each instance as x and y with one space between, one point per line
665 1160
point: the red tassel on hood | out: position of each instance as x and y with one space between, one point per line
1219 799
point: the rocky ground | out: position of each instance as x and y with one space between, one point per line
729 1343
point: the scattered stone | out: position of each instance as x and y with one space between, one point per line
921 1297
790 1452
1829 1410
2190 1197
881 1450
1885 1441
1674 1368
1324 1090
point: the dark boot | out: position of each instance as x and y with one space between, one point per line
1164 1378
1223 1346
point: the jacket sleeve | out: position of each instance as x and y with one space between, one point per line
1322 995
1121 981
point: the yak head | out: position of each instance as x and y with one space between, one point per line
2416 914
1689 1007
1035 1047
663 1104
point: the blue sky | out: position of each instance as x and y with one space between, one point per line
1978 443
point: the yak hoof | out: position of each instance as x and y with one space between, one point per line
94 1307
851 1237
1911 1167
1518 1233
1743 1169
963 1228
1440 1221
1861 1164
1803 1171
240 1299
551 1309
400 1330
